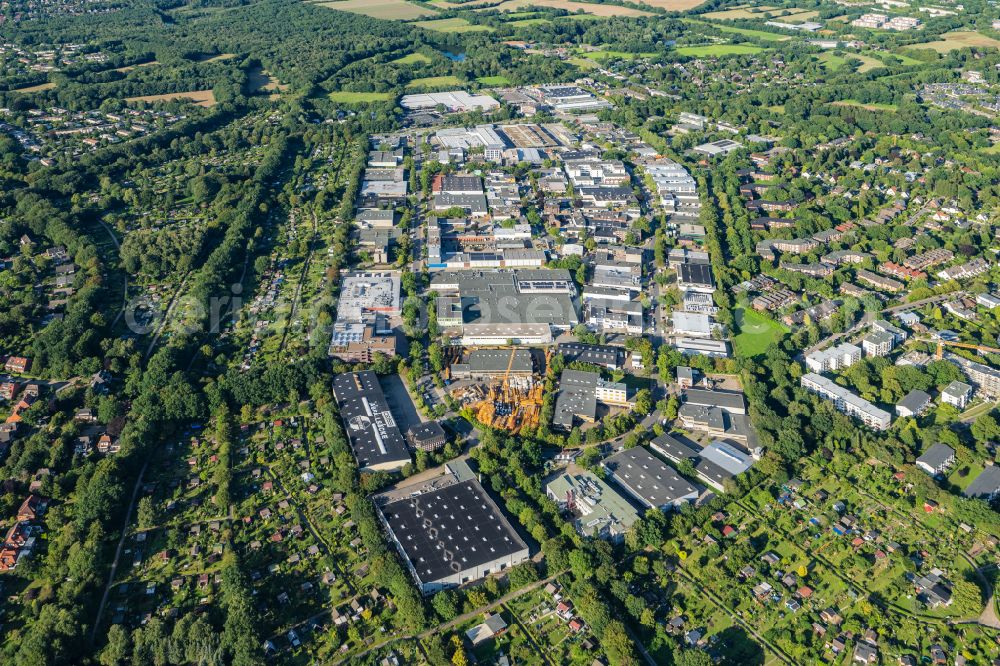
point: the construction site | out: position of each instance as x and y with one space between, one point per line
502 387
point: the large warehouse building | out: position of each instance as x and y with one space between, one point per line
448 530
370 426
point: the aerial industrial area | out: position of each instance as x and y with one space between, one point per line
444 333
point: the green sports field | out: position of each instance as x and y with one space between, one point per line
757 332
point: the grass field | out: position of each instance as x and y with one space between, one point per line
259 80
40 87
971 471
218 58
204 98
757 332
862 105
960 39
582 63
833 62
717 50
569 5
523 23
452 25
347 97
600 56
412 59
494 80
867 62
759 34
435 82
395 10
777 108
129 68
907 60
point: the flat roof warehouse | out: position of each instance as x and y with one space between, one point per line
449 531
370 426
456 100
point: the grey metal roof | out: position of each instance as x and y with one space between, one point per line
647 478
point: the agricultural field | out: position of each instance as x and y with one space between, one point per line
718 50
757 332
674 5
204 98
39 88
394 10
741 13
452 25
959 39
759 34
570 5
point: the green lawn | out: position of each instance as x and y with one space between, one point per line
494 80
412 59
907 60
863 105
347 97
832 61
435 81
718 50
452 25
582 63
757 332
971 469
759 34
622 55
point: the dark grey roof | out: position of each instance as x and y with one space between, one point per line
914 400
986 485
647 478
454 529
711 472
461 184
577 397
431 431
605 355
732 402
937 456
369 423
672 448
498 360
